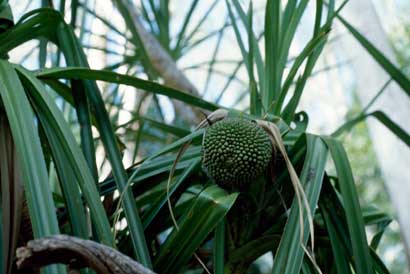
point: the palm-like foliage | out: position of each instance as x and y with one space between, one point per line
227 231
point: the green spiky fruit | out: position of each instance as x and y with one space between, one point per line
235 151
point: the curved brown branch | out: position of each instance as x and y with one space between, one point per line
76 253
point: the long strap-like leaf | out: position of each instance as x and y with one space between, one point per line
112 77
379 57
352 207
209 208
66 150
11 198
382 118
25 136
289 256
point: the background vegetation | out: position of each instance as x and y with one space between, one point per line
83 134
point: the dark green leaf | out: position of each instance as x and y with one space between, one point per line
381 117
68 158
289 255
112 77
25 136
383 61
219 248
209 208
352 207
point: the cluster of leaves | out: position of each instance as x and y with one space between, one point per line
227 231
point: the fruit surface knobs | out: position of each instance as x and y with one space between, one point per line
235 151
